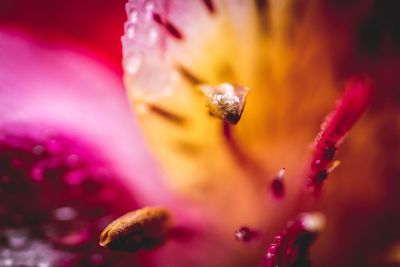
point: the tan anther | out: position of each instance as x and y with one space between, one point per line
146 228
226 101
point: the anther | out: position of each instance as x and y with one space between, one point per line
146 228
226 101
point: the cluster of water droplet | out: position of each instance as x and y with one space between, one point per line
55 198
145 59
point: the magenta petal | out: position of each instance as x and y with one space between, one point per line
55 86
71 158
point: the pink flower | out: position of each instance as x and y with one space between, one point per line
226 94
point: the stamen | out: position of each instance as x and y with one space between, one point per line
226 101
291 246
349 109
146 228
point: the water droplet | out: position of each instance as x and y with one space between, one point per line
130 30
72 160
132 63
153 36
149 7
38 150
17 239
74 177
133 16
53 146
78 233
37 173
5 253
43 264
6 262
281 173
65 214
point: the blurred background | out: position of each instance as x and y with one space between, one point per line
96 25
363 35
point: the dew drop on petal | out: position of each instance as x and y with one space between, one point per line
77 234
133 16
18 239
43 264
149 6
38 150
37 173
132 63
53 146
153 36
130 30
65 213
72 160
74 177
6 262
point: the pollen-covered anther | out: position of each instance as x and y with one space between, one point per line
226 101
146 228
